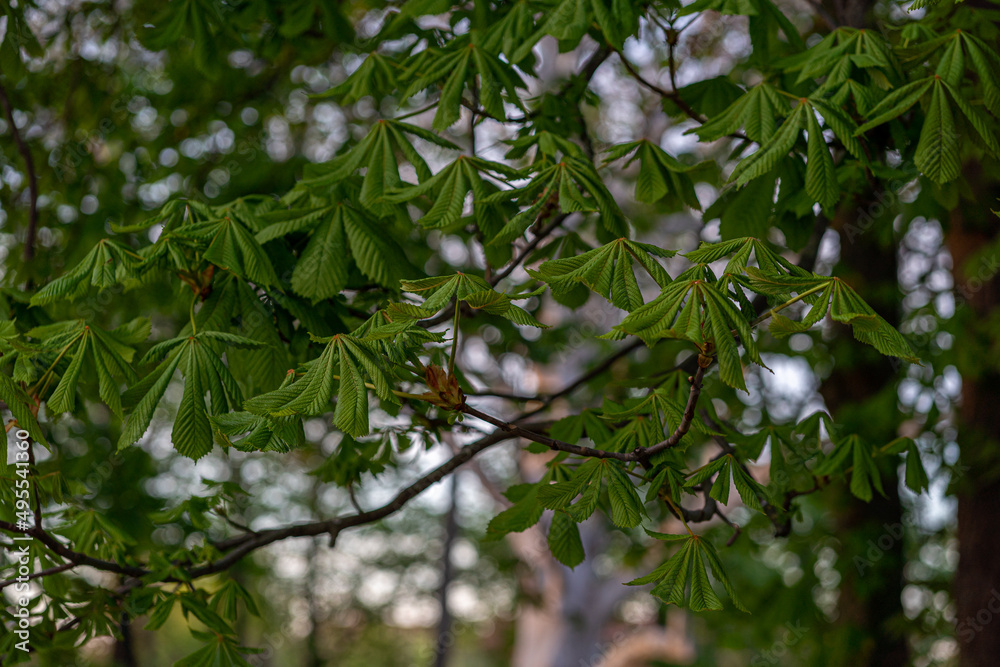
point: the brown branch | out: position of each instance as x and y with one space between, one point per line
672 95
514 430
68 554
29 165
686 421
585 378
639 454
244 544
37 575
528 249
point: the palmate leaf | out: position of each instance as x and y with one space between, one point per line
833 295
340 233
450 187
626 506
21 407
820 178
438 291
938 151
843 48
560 495
608 270
219 650
728 467
260 433
858 455
684 577
234 248
204 373
699 312
666 408
660 175
108 355
230 245
756 111
394 332
463 60
107 265
498 303
345 361
573 185
376 76
896 103
376 153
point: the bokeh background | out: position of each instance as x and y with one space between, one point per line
120 116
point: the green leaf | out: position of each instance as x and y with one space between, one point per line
233 248
937 153
108 264
522 515
322 270
699 312
564 540
821 178
774 149
757 111
626 507
608 270
192 432
687 568
21 407
896 103
916 475
660 175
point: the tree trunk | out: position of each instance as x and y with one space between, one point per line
861 397
977 582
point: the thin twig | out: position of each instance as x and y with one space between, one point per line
29 165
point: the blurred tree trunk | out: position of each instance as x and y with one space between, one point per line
125 647
569 619
861 395
972 228
445 639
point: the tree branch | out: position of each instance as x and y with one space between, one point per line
29 165
638 455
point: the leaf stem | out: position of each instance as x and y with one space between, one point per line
786 304
38 390
400 394
454 340
194 327
680 514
